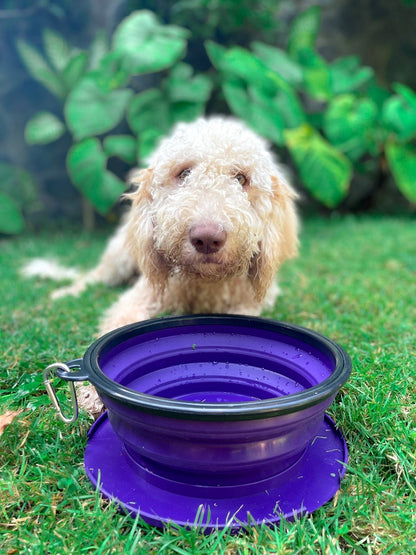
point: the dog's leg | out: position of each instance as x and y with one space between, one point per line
116 266
136 304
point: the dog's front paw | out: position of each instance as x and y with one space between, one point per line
89 400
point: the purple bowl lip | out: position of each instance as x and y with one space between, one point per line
171 408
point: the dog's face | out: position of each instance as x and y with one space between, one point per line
212 205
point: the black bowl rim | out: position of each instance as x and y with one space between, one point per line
217 411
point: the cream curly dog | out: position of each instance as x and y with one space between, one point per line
211 220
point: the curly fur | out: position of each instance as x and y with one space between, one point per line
258 218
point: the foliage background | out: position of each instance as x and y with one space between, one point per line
40 179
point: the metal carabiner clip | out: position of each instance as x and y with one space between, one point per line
53 397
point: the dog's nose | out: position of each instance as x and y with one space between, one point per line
207 238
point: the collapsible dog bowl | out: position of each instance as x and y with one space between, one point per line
220 418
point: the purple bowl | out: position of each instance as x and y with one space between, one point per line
214 401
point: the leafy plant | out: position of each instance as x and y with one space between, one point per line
331 117
97 94
18 196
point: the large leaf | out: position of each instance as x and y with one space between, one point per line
324 171
259 113
349 124
399 112
152 113
183 86
289 106
39 69
347 75
43 128
402 163
257 93
122 146
239 62
111 74
280 62
268 115
148 110
144 45
148 140
57 49
185 111
303 32
11 220
98 49
316 75
74 69
86 162
20 186
149 118
91 110
407 93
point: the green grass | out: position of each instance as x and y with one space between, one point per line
354 281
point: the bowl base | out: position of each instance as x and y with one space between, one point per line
307 485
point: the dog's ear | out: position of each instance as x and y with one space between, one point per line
140 229
279 239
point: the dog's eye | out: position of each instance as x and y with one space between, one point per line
242 179
184 174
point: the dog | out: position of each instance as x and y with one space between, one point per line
212 218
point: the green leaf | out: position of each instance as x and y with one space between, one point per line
303 32
399 118
377 94
74 69
406 92
183 86
346 75
86 164
239 62
142 110
111 74
144 45
402 163
185 111
40 70
11 220
280 62
257 110
99 48
20 186
257 93
111 189
57 49
148 140
289 106
122 146
316 75
399 112
149 118
90 110
43 128
349 124
216 54
324 171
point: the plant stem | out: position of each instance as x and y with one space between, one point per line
88 215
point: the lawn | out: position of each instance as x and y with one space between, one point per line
353 281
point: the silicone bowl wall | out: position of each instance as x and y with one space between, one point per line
218 400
